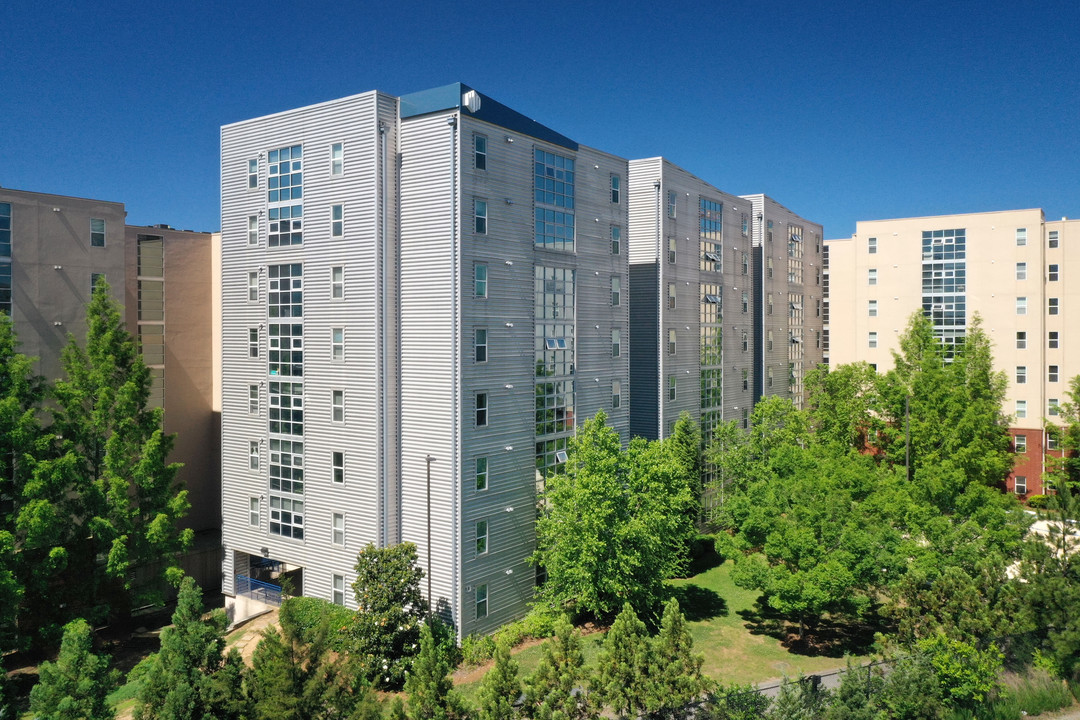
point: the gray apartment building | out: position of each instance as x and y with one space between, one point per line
423 295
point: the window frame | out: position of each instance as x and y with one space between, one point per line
337 532
98 237
254 511
482 539
337 286
337 159
253 230
480 284
482 476
337 406
481 404
480 216
337 467
337 220
337 345
480 155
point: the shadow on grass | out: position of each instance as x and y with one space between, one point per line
703 561
830 636
698 603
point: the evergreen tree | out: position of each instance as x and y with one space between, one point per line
429 687
676 670
191 678
76 685
622 678
390 611
685 446
557 690
501 687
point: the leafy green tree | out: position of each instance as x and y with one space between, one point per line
622 678
558 688
501 687
844 406
685 447
1064 467
967 676
390 612
614 525
859 694
676 668
429 687
76 685
804 699
191 678
736 702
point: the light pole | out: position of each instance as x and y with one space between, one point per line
429 459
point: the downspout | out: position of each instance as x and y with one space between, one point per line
455 270
661 350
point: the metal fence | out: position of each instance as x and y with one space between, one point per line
254 589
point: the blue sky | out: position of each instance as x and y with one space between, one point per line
841 111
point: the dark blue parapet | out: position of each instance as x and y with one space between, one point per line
449 97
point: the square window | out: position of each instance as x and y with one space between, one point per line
872 308
253 399
480 152
253 173
616 291
480 280
1021 271
671 342
253 342
1052 272
253 230
1052 339
97 232
480 214
616 240
1020 485
671 296
481 409
1021 340
337 405
871 276
253 455
481 601
337 159
1020 443
871 246
337 592
1021 237
338 530
1053 306
672 387
616 394
480 345
1052 373
337 282
616 344
1021 409
337 344
254 512
1021 374
616 188
481 537
481 473
337 221
337 467
872 340
1052 238
1021 306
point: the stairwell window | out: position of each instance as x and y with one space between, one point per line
1052 340
871 340
337 345
253 399
481 598
1020 485
1020 443
671 296
616 188
871 276
253 455
872 308
253 230
1021 306
337 282
253 286
616 240
1021 271
1053 306
616 291
253 173
1021 374
671 342
1052 272
1052 238
253 342
1052 373
672 250
672 388
616 344
871 246
1021 409
1021 340
672 199
254 512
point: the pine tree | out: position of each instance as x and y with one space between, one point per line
676 669
623 680
76 685
429 687
558 688
501 687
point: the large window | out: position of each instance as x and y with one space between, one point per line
286 226
5 230
554 195
97 232
287 517
287 466
286 178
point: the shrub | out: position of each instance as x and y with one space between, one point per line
1037 502
967 676
539 624
303 615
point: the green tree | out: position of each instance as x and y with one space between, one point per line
76 685
686 450
966 675
844 406
622 679
1064 468
390 611
429 687
614 525
191 678
676 670
557 690
803 699
501 686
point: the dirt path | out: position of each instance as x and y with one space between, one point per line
246 636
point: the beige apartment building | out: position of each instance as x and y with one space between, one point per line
1012 268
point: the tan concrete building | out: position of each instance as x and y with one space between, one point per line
1009 267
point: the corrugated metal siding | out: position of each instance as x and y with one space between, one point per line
645 209
643 351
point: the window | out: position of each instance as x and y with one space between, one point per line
1020 443
616 239
480 152
769 340
286 177
97 232
1052 238
745 302
745 225
253 342
1020 485
337 405
286 225
672 197
337 282
1021 306
616 291
337 466
1021 374
671 342
480 216
672 388
337 589
253 399
337 159
481 601
95 278
1021 237
1052 442
337 344
1021 340
480 280
1052 273
253 286
817 308
671 296
672 253
768 305
1052 306
254 512
871 246
253 230
253 455
616 187
1052 373
481 537
1052 339
616 344
616 394
871 340
337 533
5 235
871 278
553 185
1021 409
481 409
745 341
480 345
1021 271
253 173
481 473
745 419
1052 409
769 377
744 263
337 220
872 308
768 267
745 379
286 517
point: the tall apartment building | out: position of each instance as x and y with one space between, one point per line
423 294
1010 267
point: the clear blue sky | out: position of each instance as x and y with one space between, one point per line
842 111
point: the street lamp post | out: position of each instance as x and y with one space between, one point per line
429 459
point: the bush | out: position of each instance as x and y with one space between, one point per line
1037 502
303 615
539 624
